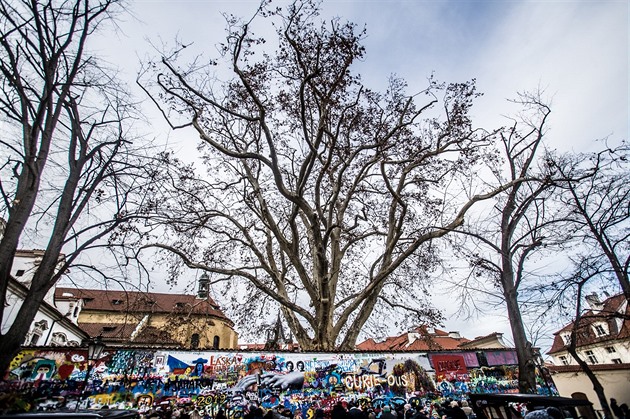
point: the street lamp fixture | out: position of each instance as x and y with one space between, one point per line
95 349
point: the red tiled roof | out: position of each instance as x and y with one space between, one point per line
486 336
113 333
433 343
109 331
252 346
141 302
585 333
438 340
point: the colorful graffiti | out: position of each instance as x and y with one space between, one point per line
231 380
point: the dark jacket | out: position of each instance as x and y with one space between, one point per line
356 413
338 412
456 413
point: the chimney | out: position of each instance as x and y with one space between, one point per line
454 335
593 302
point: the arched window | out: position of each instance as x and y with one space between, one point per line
37 332
35 338
215 343
194 341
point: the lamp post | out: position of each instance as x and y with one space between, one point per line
95 349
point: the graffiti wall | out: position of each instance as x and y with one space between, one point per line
233 380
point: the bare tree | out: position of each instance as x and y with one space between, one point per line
500 244
597 192
566 294
323 198
68 173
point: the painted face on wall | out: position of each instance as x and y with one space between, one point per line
199 369
44 370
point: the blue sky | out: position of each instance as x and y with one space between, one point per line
576 51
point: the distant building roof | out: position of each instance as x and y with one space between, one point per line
122 333
491 341
614 312
141 302
418 339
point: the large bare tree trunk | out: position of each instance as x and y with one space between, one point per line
524 351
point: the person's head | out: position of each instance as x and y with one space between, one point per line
464 403
407 406
554 412
538 414
386 408
454 403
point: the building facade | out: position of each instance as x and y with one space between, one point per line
146 319
70 316
603 341
52 326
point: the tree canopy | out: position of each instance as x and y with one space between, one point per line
323 198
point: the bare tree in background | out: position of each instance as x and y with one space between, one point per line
501 243
323 198
68 172
565 296
597 193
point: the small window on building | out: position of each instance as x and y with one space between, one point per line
566 338
117 302
215 343
591 357
34 338
616 361
194 341
564 360
109 328
610 350
76 311
19 272
38 331
600 329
